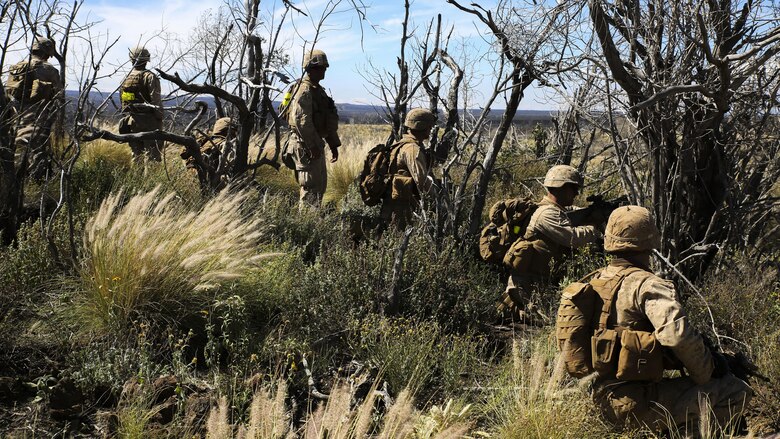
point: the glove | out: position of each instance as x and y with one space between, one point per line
334 152
721 365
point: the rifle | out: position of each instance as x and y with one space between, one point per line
735 362
597 212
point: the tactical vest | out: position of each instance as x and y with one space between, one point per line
135 91
25 85
590 340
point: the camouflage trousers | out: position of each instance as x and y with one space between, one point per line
33 130
670 402
312 176
397 213
139 123
520 301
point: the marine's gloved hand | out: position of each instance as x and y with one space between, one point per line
721 365
334 154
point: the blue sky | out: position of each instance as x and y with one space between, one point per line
142 20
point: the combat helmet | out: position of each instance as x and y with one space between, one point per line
139 54
315 58
560 175
223 126
44 46
420 119
631 229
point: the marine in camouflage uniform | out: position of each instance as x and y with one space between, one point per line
410 165
212 148
33 89
314 121
649 303
142 106
555 237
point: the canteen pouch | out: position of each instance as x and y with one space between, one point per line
603 347
41 90
403 188
641 357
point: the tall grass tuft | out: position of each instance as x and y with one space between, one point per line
532 398
153 254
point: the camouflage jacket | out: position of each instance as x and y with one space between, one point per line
650 304
139 90
312 116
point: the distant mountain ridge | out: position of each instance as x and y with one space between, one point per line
348 112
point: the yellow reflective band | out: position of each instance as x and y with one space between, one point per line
128 96
286 100
516 230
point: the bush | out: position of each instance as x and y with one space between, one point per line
418 356
154 256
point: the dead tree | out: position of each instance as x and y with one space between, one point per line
523 36
687 74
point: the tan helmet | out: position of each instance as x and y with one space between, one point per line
631 229
560 175
44 46
139 54
420 119
223 126
315 58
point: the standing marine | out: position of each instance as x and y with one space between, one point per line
410 165
549 238
641 331
33 90
142 106
314 121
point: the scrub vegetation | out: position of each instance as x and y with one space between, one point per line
242 316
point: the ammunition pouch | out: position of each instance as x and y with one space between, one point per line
604 348
403 188
641 357
495 241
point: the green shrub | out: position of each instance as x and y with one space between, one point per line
419 356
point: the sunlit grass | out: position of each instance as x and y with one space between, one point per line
152 253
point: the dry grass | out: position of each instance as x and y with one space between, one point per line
534 399
116 154
153 252
337 419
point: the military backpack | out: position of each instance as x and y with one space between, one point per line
590 340
25 86
508 222
375 177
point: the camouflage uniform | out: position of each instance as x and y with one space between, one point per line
142 106
555 237
312 117
408 161
409 168
211 146
32 88
650 304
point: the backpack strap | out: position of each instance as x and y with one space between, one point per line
613 286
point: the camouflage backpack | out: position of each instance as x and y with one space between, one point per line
508 221
373 180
